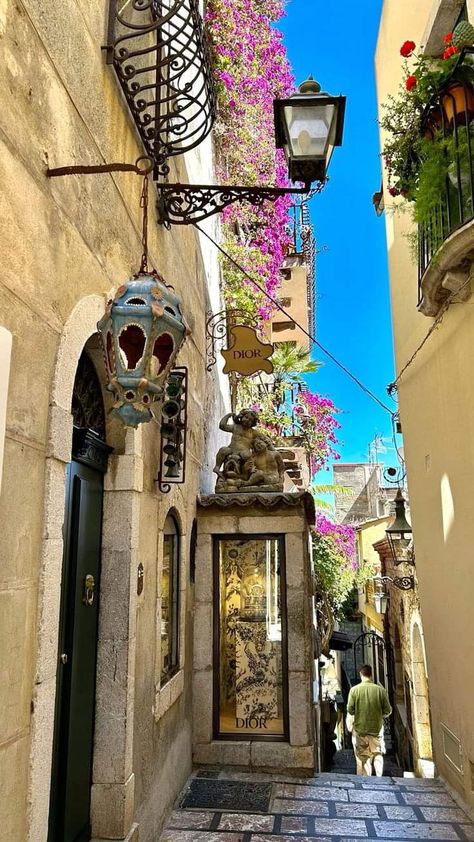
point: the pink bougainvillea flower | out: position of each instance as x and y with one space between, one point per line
407 48
411 83
393 191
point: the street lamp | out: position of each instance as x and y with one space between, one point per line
381 596
400 534
308 126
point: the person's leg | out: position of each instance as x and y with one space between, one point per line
368 767
361 753
378 765
376 749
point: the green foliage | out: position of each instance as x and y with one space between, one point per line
334 576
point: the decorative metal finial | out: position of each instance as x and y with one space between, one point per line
310 86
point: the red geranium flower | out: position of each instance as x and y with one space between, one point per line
448 38
407 48
450 51
411 83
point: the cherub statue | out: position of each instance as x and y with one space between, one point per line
250 459
264 467
243 435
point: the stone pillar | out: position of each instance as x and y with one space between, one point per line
112 801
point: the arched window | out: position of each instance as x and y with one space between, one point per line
170 600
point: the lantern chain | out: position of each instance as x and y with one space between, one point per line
144 207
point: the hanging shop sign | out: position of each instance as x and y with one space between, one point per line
247 354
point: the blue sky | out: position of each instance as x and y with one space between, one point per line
336 43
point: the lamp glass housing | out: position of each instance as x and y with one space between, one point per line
310 130
381 602
400 534
308 126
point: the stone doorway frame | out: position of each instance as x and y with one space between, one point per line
421 703
112 797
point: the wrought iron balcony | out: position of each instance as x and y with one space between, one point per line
449 115
160 54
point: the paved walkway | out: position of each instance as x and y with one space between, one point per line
328 808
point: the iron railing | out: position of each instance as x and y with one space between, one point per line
451 113
160 54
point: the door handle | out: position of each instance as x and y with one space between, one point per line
89 585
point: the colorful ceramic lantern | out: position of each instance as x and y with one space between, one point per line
142 332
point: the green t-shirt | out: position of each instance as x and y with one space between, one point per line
368 703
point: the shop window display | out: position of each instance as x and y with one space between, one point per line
250 638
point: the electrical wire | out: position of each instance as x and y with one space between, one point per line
291 318
392 387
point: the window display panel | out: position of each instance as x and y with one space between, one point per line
252 670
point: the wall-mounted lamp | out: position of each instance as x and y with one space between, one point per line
381 595
400 534
308 126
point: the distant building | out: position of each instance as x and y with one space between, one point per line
360 494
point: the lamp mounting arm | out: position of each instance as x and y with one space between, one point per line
184 204
403 583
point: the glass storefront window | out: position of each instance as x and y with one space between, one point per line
251 638
169 600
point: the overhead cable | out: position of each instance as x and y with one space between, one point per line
303 329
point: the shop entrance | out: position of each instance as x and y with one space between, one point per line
77 650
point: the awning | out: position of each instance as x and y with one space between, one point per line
340 641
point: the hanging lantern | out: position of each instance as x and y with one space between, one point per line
142 332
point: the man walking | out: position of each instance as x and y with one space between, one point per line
367 707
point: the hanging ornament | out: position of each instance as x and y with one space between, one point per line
142 332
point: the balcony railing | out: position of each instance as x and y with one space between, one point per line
451 114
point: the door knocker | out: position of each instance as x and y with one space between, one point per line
89 585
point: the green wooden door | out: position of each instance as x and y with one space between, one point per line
77 655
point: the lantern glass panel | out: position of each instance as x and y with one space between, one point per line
162 350
310 130
401 545
132 341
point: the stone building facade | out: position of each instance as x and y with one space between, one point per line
66 245
436 410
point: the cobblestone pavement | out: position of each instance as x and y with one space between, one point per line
329 808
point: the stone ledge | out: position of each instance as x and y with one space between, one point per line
167 695
267 500
450 272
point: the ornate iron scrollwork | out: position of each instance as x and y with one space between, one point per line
217 330
160 54
182 204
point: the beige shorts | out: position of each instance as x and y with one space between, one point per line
366 745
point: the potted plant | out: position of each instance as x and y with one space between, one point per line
436 92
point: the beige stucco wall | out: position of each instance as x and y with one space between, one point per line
66 244
437 414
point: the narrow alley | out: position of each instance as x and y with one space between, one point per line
325 808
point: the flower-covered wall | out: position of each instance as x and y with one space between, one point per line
251 69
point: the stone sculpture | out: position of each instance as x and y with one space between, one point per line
250 462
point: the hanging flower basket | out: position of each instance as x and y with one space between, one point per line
458 103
